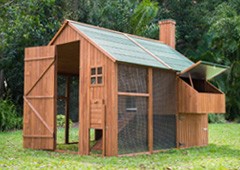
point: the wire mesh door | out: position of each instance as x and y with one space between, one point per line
164 109
132 109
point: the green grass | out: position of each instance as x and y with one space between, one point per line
223 153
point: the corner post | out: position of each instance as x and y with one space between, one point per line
150 111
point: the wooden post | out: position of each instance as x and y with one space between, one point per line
150 111
104 131
67 92
177 112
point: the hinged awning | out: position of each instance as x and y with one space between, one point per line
203 70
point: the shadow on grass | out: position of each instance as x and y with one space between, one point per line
221 150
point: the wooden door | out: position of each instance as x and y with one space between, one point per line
192 130
39 98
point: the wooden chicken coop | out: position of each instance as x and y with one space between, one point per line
139 95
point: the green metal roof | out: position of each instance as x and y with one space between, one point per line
167 54
134 50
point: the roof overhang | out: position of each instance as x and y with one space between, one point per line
203 70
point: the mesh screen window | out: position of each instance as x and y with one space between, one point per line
132 79
164 109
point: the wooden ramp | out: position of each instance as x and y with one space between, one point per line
98 145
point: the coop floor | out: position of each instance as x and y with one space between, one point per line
73 140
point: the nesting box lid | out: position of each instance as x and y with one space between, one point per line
203 70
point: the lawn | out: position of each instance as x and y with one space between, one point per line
223 152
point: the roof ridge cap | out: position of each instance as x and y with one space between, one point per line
149 52
114 31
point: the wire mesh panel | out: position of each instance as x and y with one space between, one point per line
132 110
61 82
132 79
164 109
74 99
132 124
73 96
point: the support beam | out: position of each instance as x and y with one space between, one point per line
190 79
67 92
133 94
150 110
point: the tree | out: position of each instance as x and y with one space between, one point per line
225 49
112 14
24 23
143 15
191 18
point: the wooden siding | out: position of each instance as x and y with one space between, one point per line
67 35
39 101
192 130
192 101
90 57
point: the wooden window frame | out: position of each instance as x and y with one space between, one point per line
96 75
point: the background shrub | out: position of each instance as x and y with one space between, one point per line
216 118
9 119
61 121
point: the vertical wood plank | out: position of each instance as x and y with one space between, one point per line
84 98
104 132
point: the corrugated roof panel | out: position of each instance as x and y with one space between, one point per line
119 46
165 53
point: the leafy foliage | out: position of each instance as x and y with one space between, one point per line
9 119
216 118
143 15
225 48
23 24
61 121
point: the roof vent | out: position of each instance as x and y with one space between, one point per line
167 32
